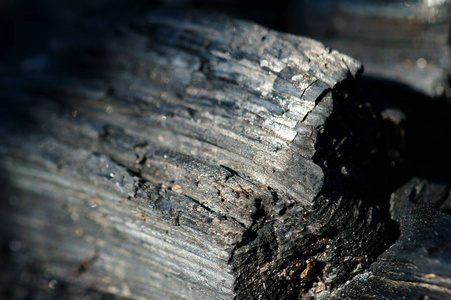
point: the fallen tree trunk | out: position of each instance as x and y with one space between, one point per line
191 156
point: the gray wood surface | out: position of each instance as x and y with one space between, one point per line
192 156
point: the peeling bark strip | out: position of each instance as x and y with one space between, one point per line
192 156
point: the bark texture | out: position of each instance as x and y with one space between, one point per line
193 156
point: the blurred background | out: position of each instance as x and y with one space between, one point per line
403 40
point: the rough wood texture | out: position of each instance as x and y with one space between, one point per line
418 265
191 156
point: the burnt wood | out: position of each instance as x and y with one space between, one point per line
192 156
418 265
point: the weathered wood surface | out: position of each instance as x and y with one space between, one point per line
192 156
418 265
